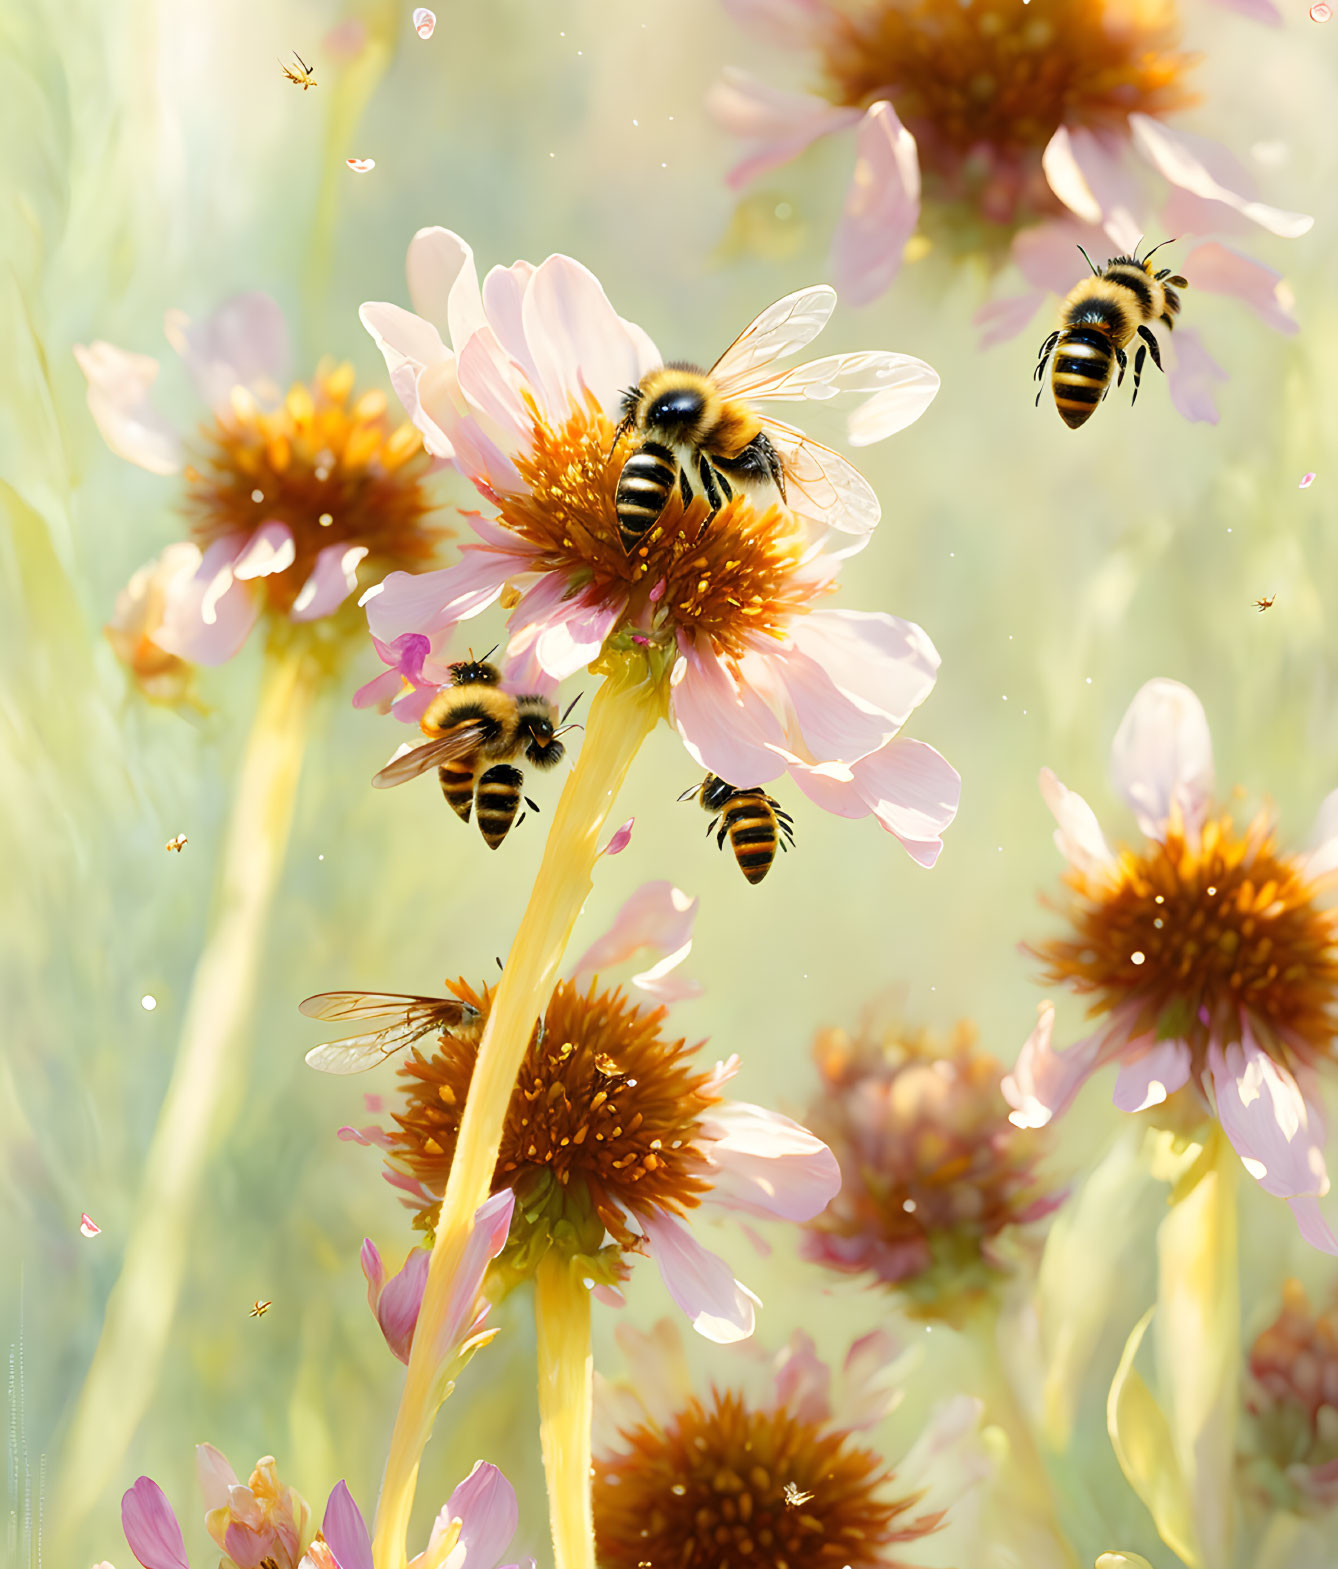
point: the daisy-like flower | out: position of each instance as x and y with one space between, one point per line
779 1476
615 1135
258 1525
1206 952
933 1174
1292 1400
763 676
1013 133
294 499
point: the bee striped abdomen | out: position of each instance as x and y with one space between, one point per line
497 800
1081 373
457 785
750 822
644 488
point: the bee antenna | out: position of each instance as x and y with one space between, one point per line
488 655
1089 262
570 706
689 792
1159 245
563 730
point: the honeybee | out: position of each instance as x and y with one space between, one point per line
259 1309
1100 317
795 1498
755 823
476 725
178 843
410 1019
302 76
681 418
1265 604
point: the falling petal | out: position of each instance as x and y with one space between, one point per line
622 837
89 1227
1307 480
1323 12
424 22
361 165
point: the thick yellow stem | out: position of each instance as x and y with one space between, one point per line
203 1095
566 1386
622 715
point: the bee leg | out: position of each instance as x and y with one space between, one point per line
710 490
1138 371
684 489
1123 361
532 806
720 837
727 490
710 827
1150 338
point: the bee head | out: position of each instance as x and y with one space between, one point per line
714 792
474 672
674 403
537 722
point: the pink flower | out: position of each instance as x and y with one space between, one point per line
258 1525
294 498
634 1137
413 678
1078 153
764 677
1207 952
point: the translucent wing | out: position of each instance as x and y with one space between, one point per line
415 1017
460 743
904 385
337 1006
781 329
821 484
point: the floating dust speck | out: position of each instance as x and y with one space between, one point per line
361 165
1307 480
178 843
148 1002
424 22
88 1227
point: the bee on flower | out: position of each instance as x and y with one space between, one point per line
1208 953
723 596
1016 134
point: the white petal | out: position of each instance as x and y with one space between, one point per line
1079 836
1162 757
765 1164
1085 173
1278 1135
269 550
1147 1081
701 1283
118 399
443 283
1323 857
244 343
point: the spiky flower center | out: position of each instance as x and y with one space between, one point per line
984 84
331 469
722 1485
605 1116
1193 937
931 1168
1292 1398
733 581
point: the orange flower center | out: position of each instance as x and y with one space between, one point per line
721 1486
333 471
605 1116
732 581
1196 935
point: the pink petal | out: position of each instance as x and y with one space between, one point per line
208 616
244 343
373 1269
764 1164
882 207
1002 319
658 918
777 124
622 837
564 631
443 283
1191 372
1086 173
217 1478
1200 167
345 1530
408 344
1310 1222
431 602
803 1381
906 785
725 727
1044 1081
151 1528
485 1505
1047 253
118 399
792 24
1323 855
399 1302
1278 1135
719 1308
88 1227
497 392
268 551
1147 1080
1257 10
1162 757
492 1223
332 580
1078 835
1220 270
370 1137
380 691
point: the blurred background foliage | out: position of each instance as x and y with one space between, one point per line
154 156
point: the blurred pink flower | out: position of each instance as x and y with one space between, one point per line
764 679
257 1526
1291 1398
1207 952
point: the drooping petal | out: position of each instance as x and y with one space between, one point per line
1161 760
803 1381
882 207
1044 1081
1323 855
217 1477
724 724
208 616
1191 372
764 1164
119 401
701 1283
268 551
492 1222
1201 167
443 283
151 1528
398 1301
408 344
346 1531
1078 834
429 602
485 1505
1277 1134
1086 173
1220 270
657 919
244 343
1310 1222
332 580
778 124
906 785
1147 1080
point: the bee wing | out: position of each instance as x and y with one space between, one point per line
357 1053
337 1006
781 329
834 491
458 744
903 386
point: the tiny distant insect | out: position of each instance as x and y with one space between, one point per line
1265 604
681 418
302 76
1101 316
410 1018
754 822
793 1497
475 724
178 844
260 1309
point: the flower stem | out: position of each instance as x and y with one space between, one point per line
566 1381
623 713
203 1095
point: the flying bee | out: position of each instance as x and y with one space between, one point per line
302 76
1265 604
690 426
259 1309
478 730
1101 316
754 822
178 843
410 1018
